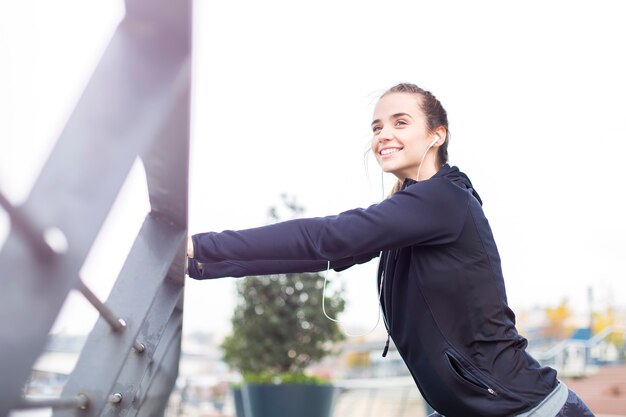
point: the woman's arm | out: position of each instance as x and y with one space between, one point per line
429 212
238 268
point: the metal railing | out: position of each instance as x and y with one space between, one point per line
388 397
573 358
136 105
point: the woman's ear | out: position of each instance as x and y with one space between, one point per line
441 132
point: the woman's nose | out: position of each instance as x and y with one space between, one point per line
384 134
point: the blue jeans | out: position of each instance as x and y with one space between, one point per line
573 407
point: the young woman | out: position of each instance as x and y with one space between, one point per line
443 294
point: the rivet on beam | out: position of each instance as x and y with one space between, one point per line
139 347
115 398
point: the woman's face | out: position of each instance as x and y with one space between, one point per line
401 136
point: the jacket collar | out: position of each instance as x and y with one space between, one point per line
451 173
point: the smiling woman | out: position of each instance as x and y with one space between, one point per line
399 137
442 289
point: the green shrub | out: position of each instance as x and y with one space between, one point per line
284 378
278 327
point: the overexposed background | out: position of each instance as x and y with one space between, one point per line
283 94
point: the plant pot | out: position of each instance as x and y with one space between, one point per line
238 399
292 400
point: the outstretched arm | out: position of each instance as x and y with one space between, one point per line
430 212
237 268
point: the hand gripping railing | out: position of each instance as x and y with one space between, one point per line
136 105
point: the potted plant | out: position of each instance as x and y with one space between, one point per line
238 400
278 330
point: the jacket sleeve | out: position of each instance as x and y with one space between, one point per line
425 213
240 268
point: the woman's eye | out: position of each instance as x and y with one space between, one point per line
400 122
376 129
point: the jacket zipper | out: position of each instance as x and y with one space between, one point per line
386 349
383 296
387 317
468 375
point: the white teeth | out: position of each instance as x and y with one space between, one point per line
388 151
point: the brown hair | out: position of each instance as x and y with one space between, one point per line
436 116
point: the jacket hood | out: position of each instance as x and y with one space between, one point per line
452 174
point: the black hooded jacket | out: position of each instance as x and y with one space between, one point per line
443 296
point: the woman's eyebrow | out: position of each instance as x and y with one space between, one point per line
393 116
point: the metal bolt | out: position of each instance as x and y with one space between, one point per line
139 347
84 401
56 240
115 398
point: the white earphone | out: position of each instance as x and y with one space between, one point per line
424 156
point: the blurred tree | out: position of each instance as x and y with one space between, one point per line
557 325
358 360
606 319
278 323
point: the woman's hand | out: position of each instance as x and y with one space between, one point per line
190 253
189 247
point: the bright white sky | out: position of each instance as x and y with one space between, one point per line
283 94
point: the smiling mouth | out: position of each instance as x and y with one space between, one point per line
389 151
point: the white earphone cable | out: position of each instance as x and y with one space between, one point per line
382 278
341 322
382 184
423 158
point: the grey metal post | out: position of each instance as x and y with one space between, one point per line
135 105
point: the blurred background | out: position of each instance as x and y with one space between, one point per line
282 99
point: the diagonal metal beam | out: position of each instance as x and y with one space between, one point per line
161 383
163 367
136 102
145 299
